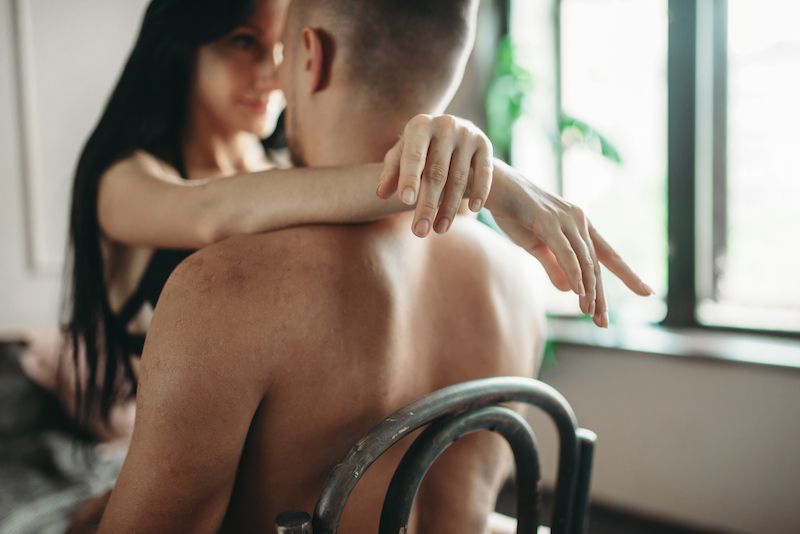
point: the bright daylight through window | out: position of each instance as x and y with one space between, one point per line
613 130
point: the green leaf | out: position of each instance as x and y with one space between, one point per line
549 356
507 96
589 137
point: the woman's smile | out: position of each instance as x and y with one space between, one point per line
257 107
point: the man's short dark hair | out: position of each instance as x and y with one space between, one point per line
398 49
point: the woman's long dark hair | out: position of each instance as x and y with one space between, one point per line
147 111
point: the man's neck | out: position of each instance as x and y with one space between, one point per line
359 134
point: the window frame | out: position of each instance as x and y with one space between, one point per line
697 139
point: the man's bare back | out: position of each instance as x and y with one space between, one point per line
334 328
384 318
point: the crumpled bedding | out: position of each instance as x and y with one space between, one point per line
47 468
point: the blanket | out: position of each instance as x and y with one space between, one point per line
47 467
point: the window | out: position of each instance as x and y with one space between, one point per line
751 273
698 98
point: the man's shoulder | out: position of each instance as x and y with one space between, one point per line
315 254
245 298
494 253
514 278
285 270
243 257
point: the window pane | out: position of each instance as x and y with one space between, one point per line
535 140
614 63
758 284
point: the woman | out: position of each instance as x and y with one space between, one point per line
191 107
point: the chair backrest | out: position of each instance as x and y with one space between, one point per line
453 412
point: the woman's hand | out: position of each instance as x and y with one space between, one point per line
562 238
437 163
441 160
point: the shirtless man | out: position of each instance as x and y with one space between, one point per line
270 355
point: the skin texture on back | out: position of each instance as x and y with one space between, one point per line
270 355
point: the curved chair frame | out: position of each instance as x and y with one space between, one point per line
438 437
457 410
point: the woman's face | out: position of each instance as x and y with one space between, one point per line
235 83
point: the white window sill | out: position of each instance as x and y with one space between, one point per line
729 347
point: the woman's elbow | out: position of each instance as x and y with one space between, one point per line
211 229
212 222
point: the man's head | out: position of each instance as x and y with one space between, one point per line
385 60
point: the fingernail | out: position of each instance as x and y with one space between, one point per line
422 228
442 226
409 195
475 204
378 190
605 319
591 308
581 291
648 289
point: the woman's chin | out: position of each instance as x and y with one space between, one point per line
261 125
268 125
253 126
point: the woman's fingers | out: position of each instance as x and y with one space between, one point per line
416 142
434 178
609 257
457 182
600 317
598 308
390 175
470 176
483 170
550 263
567 259
438 162
585 256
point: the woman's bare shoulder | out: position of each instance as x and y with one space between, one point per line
142 164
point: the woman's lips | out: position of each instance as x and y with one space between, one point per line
259 107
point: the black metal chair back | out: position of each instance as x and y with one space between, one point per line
451 413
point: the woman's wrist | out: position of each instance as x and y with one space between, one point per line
506 184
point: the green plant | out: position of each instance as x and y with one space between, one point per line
507 100
549 359
507 97
575 131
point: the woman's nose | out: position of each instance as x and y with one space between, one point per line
267 68
266 75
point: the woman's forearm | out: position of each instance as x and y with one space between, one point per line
141 202
504 179
275 199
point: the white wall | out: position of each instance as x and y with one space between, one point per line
708 443
58 62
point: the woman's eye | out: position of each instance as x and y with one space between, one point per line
245 42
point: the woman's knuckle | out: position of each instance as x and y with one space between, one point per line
420 120
486 168
427 206
445 123
577 213
414 154
437 173
459 178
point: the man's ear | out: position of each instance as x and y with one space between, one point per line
317 49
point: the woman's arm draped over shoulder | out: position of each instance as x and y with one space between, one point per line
143 202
